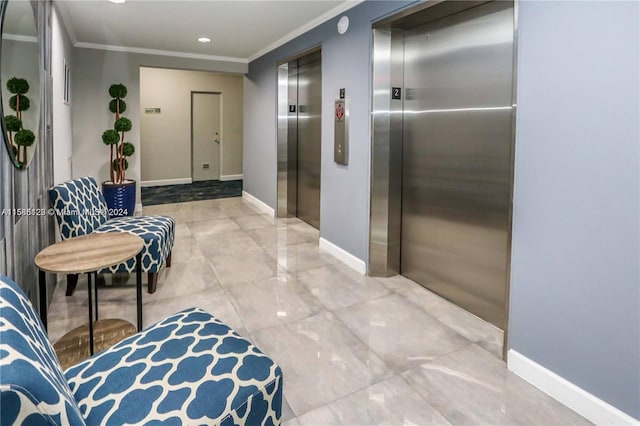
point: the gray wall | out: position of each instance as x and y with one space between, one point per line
575 283
166 137
22 237
90 113
344 199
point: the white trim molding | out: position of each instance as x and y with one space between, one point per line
162 182
582 402
344 256
18 37
343 7
262 206
144 51
330 14
231 177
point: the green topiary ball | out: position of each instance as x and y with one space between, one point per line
116 168
12 123
128 149
112 106
118 91
18 86
110 137
122 124
25 138
24 103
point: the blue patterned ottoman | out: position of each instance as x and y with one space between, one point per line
188 369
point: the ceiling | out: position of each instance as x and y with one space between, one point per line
240 30
19 21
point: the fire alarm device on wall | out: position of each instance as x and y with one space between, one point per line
343 24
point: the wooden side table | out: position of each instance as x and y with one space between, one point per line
89 254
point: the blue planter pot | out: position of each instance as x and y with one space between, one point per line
121 198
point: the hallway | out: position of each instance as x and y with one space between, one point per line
354 350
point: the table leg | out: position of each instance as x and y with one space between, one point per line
42 296
90 314
95 291
139 288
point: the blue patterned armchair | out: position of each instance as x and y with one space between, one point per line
188 369
81 209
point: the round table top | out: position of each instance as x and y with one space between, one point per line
89 253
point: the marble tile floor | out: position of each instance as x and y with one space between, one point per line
354 350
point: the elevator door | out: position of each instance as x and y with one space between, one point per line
457 145
309 95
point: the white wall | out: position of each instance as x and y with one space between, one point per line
91 116
61 51
166 137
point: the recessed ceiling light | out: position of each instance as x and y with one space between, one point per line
117 1
204 40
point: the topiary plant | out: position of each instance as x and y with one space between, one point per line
119 149
19 102
25 138
12 124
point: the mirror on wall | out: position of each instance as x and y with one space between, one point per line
20 80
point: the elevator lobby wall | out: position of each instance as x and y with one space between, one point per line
346 63
575 298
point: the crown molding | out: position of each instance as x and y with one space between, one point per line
18 37
144 51
68 24
349 4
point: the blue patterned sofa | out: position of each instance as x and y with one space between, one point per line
188 369
81 209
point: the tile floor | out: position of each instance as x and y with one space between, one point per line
354 350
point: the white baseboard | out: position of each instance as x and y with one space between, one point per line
161 182
231 177
344 256
263 207
582 402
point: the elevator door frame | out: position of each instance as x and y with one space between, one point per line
286 152
386 162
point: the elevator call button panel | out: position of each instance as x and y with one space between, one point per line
341 132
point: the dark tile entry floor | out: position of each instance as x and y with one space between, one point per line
196 191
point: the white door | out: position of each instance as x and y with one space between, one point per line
205 136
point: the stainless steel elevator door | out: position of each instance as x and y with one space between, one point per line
457 145
309 137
